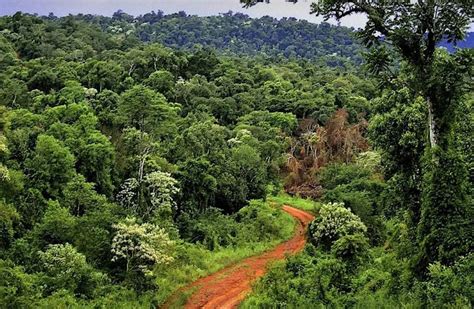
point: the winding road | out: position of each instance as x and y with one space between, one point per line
229 286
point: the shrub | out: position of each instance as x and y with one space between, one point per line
210 228
334 221
260 222
450 285
352 248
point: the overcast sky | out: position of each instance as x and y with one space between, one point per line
277 8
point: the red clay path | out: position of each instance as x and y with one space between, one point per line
229 286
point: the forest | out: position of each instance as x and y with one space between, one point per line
140 154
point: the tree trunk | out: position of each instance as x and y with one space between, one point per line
431 125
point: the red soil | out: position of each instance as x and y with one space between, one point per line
229 286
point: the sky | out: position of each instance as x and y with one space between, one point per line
277 8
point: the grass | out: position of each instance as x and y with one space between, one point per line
297 202
193 261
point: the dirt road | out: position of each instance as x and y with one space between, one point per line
229 286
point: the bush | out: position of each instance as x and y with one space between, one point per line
210 228
359 187
335 174
260 222
351 247
450 285
254 223
334 221
304 281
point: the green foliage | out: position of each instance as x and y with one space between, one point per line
198 186
97 126
301 203
334 222
161 81
65 268
350 247
444 229
51 166
80 197
450 285
303 281
147 111
57 226
9 217
255 223
359 188
17 288
94 233
264 119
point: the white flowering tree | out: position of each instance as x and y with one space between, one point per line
161 189
141 246
143 197
65 268
333 222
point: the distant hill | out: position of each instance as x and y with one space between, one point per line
229 33
237 34
467 43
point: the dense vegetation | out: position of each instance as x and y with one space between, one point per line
128 168
395 229
232 34
129 172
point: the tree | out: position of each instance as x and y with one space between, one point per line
80 197
96 161
338 141
4 173
9 218
7 53
150 195
68 269
147 111
102 74
51 165
198 186
249 171
161 81
202 62
161 189
18 288
56 227
141 246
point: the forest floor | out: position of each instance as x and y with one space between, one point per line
229 286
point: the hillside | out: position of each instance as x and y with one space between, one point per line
177 160
232 34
